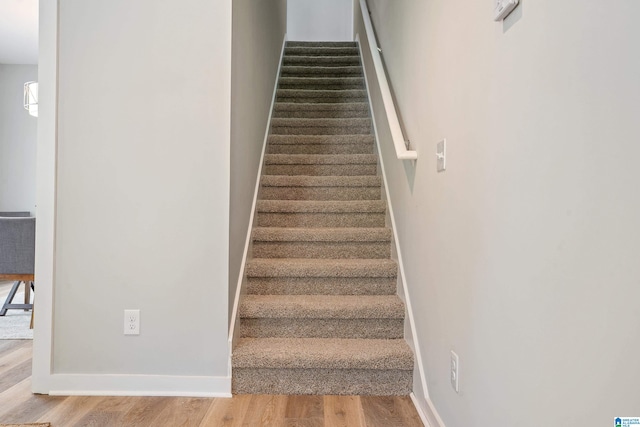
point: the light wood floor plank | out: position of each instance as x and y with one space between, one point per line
144 411
19 405
385 411
343 411
14 397
107 412
305 407
7 346
408 411
183 412
70 411
266 410
13 357
19 372
33 407
227 412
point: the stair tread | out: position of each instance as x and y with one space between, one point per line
320 122
321 267
322 306
350 93
316 206
325 234
320 159
350 70
319 106
321 51
322 139
351 59
320 80
294 43
321 181
322 353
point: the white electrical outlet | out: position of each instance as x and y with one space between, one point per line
455 371
441 155
132 322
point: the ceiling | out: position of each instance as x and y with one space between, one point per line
18 31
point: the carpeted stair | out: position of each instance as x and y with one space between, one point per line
321 314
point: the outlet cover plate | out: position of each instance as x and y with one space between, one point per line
441 155
455 371
132 322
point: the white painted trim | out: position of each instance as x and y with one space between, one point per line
139 385
428 414
247 246
414 336
420 411
435 418
389 106
45 196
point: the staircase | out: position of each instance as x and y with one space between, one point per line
320 314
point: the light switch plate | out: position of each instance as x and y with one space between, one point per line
455 371
503 8
441 155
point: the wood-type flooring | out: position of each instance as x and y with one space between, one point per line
19 405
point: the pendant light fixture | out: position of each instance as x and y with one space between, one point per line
31 98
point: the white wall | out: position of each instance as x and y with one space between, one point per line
142 191
18 135
522 256
258 34
312 20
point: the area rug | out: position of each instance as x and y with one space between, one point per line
15 324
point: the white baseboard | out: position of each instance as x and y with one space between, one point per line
404 288
423 404
427 412
138 385
233 329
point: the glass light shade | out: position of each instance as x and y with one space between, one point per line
31 98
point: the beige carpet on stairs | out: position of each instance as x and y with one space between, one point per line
321 314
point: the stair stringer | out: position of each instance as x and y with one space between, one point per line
242 277
396 254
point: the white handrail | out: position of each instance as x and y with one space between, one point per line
394 124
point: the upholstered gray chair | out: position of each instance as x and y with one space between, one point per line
17 254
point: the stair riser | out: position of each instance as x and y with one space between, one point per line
321 44
327 269
335 220
322 114
321 139
321 286
322 83
322 328
321 61
321 170
320 149
321 86
328 99
320 51
364 382
296 124
321 193
321 130
322 72
280 108
326 250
